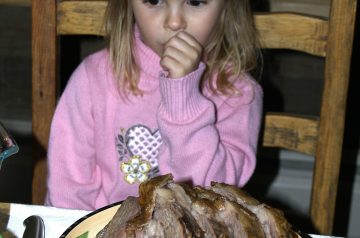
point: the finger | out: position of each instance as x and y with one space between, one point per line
178 43
173 67
183 52
185 43
184 63
181 55
176 53
190 40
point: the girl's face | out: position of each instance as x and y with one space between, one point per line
160 20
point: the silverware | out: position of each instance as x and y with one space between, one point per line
8 145
34 227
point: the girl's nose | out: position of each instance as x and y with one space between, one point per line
175 21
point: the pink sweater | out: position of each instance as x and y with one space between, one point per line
173 128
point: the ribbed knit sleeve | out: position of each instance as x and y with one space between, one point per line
181 98
208 138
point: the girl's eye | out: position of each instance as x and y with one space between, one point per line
196 3
152 2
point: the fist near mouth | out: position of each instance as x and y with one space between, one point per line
181 55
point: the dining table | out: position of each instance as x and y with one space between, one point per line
56 220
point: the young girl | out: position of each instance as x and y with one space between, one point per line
169 95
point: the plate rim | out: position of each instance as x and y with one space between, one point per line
77 222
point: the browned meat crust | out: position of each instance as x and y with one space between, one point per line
168 209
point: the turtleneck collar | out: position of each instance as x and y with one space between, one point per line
148 60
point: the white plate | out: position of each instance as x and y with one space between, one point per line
89 225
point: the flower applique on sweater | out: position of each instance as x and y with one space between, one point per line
138 149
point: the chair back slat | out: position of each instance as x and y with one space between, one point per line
292 31
291 132
81 17
276 30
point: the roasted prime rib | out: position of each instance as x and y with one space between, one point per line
168 209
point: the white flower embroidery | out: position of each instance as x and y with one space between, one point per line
136 170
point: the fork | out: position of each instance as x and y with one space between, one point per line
8 145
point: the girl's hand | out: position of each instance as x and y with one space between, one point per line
181 55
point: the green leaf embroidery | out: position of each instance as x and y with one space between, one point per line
85 235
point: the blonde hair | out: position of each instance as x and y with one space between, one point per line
232 48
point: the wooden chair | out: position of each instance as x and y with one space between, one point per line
322 137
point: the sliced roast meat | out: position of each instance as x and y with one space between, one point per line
240 221
174 220
166 209
186 197
136 227
272 220
129 209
